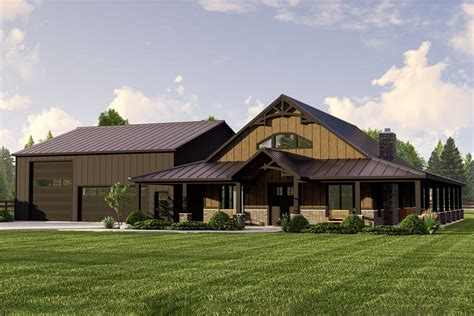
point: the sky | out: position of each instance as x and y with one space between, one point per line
407 65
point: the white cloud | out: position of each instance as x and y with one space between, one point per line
10 10
178 79
17 55
419 105
464 41
7 138
53 119
247 100
180 90
138 108
254 110
14 103
228 5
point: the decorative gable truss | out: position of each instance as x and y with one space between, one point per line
281 108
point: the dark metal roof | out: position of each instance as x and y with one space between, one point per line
196 171
125 138
309 169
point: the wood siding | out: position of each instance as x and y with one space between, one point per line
96 170
326 145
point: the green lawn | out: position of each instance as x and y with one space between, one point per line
276 273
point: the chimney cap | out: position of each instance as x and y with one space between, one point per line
387 130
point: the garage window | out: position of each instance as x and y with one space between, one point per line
52 183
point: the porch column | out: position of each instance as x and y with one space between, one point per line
446 202
184 208
456 196
238 198
460 198
451 199
418 197
427 195
357 196
390 204
435 198
296 195
139 194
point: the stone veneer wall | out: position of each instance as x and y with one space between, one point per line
370 218
256 216
208 212
185 217
314 216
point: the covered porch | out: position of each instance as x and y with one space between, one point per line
273 184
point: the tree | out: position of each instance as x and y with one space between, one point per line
451 161
468 191
111 118
49 135
119 198
405 150
210 118
30 142
434 163
6 163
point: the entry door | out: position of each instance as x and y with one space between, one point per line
162 206
281 195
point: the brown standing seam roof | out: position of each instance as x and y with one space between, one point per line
124 138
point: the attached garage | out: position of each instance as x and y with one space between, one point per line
51 191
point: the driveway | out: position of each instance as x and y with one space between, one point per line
49 225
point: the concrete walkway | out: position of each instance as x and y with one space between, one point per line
98 227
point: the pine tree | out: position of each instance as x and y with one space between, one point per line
468 190
6 161
30 142
451 161
434 163
49 135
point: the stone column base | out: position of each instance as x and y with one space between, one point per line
371 217
314 216
208 212
185 217
256 216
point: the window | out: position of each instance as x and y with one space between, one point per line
285 141
340 197
227 196
52 183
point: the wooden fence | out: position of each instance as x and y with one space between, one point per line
7 205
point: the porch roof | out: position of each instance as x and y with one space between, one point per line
302 167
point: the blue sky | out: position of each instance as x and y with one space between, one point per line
407 65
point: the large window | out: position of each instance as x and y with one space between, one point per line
227 196
340 197
52 183
285 141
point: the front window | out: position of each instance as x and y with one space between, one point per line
340 197
227 196
285 141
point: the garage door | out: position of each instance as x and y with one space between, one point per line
94 208
52 191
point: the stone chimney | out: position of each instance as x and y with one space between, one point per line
387 145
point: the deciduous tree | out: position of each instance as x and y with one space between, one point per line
111 118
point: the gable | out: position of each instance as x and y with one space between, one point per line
325 144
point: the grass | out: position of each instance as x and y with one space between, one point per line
71 272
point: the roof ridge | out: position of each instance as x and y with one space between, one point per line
157 123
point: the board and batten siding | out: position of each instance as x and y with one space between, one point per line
97 170
326 145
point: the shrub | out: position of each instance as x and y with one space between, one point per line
284 220
324 228
353 223
385 230
221 221
414 225
239 221
297 224
431 221
152 224
108 222
6 216
192 225
135 216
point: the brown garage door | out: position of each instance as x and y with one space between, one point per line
94 208
51 191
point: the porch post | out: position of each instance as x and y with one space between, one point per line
427 195
296 195
441 198
460 198
238 198
435 198
418 197
184 208
357 196
139 193
452 197
446 202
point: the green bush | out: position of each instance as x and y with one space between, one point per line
414 225
108 222
221 221
297 224
6 216
192 225
152 224
386 230
135 216
353 223
324 228
431 221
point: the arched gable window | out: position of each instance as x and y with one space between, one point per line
285 141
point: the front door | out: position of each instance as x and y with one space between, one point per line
162 206
280 201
